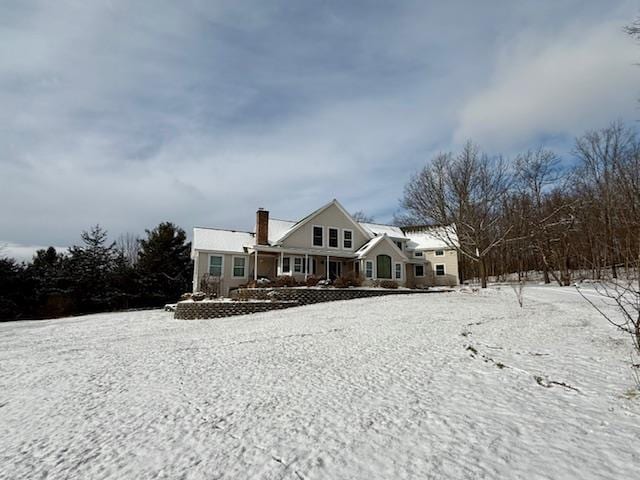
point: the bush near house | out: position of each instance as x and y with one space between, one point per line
350 279
312 280
388 284
286 281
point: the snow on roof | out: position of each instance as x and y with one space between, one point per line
370 245
429 238
278 228
379 229
221 240
364 249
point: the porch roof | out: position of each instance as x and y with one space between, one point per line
301 251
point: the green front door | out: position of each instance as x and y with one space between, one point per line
383 266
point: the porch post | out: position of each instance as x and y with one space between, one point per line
327 265
255 265
281 263
306 266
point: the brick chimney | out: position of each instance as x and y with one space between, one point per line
262 227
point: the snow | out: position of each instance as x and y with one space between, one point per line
387 387
221 240
278 228
375 229
430 238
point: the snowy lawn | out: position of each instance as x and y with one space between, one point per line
448 385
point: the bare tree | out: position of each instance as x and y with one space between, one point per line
536 171
360 216
211 285
129 245
634 29
603 155
518 288
466 194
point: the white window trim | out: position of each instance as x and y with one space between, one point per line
395 270
293 270
290 272
435 269
347 230
337 247
221 263
233 266
415 273
313 227
435 253
373 270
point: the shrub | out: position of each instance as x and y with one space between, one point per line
285 281
350 279
312 281
389 284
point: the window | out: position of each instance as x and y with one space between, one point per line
419 270
298 265
215 265
239 267
383 266
440 269
398 267
347 239
318 233
440 253
333 238
286 265
417 254
368 269
398 244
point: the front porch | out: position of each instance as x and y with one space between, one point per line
267 263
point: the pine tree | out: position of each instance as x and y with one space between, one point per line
164 263
92 267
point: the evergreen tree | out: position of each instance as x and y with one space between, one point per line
92 267
164 263
51 284
12 289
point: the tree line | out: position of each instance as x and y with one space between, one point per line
98 275
535 213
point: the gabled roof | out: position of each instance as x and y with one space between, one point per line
379 229
215 239
312 215
371 244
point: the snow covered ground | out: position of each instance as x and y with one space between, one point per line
451 385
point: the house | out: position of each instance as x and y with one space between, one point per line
326 243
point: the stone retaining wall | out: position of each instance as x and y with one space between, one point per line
306 296
275 299
196 310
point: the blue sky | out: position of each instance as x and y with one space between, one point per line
130 113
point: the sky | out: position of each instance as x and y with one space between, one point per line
130 113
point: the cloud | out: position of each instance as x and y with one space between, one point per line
128 114
582 78
23 253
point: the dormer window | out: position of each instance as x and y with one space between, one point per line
439 253
399 244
